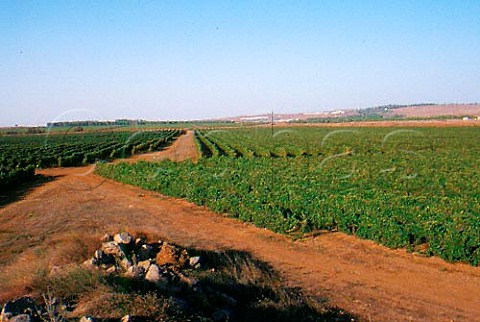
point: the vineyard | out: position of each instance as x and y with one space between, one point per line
412 188
21 155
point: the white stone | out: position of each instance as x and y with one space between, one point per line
123 238
194 261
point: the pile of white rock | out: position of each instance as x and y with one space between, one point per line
159 263
161 266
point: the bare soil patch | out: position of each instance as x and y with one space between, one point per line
436 110
361 277
182 149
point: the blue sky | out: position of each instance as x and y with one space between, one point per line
203 59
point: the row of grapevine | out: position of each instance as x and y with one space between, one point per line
419 190
12 176
214 146
298 142
207 148
20 155
234 144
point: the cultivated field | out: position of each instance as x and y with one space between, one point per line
412 189
415 188
20 155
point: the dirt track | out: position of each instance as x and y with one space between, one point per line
182 149
359 276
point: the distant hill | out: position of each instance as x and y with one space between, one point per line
428 111
377 113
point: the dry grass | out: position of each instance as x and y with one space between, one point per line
37 238
260 292
25 259
17 278
53 269
71 248
106 304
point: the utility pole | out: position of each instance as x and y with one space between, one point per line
272 123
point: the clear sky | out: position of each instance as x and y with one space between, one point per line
201 59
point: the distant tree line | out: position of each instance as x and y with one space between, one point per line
93 123
122 122
385 108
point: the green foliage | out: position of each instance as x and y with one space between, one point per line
402 188
20 155
207 148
